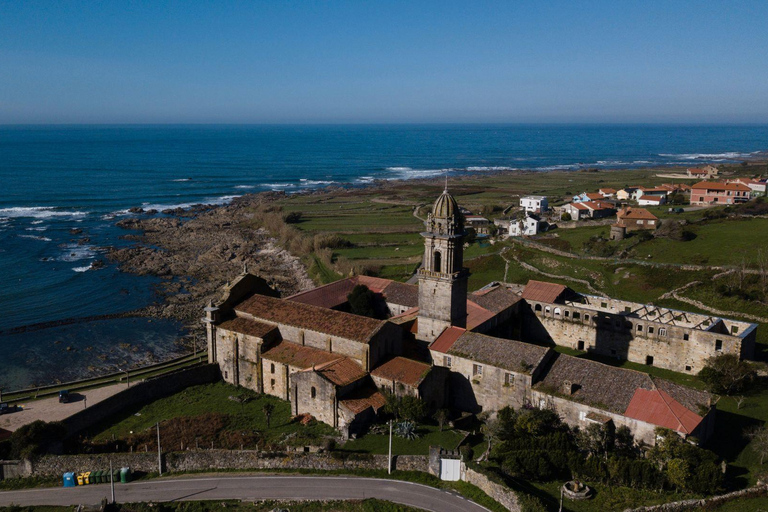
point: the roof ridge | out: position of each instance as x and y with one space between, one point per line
680 423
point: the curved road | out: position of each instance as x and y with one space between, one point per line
251 488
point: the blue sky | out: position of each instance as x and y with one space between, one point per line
383 61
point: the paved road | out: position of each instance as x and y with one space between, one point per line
49 409
250 488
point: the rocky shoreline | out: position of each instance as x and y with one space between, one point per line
196 251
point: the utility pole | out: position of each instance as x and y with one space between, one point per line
389 458
112 481
159 455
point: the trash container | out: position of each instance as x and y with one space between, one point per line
87 478
81 479
96 477
125 475
116 476
69 480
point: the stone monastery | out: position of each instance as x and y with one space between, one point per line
460 350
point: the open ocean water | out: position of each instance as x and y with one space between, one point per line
55 179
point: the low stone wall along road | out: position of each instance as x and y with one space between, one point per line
250 488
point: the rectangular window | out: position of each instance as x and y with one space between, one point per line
477 369
603 304
719 345
448 361
509 379
627 309
639 328
734 329
650 330
685 337
583 415
576 315
662 331
272 383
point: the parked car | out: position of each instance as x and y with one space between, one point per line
6 408
64 396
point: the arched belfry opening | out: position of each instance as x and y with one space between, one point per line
442 278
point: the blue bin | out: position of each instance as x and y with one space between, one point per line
69 480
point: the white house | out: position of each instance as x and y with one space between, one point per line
534 204
524 227
651 200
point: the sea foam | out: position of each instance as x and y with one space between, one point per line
38 212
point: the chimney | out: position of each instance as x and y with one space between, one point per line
568 387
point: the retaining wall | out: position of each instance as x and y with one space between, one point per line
681 506
498 492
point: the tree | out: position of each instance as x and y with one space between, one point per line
596 439
727 374
404 407
268 409
361 301
759 441
441 416
678 473
36 438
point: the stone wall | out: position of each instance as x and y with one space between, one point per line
141 393
205 460
501 493
680 506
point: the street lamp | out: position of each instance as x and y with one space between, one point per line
127 375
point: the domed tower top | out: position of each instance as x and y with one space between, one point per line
446 218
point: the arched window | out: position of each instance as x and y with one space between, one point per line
438 262
557 311
272 368
537 307
313 392
547 309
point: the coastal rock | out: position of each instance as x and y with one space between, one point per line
135 209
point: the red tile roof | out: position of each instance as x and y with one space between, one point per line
445 341
594 195
543 292
361 399
608 190
658 408
578 206
341 372
401 369
297 355
712 185
314 318
635 213
597 205
495 299
335 294
247 326
697 171
477 315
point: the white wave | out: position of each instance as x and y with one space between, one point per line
642 162
491 168
729 155
36 237
38 212
245 186
183 179
563 167
279 185
412 174
214 201
82 269
365 179
37 222
37 228
398 169
306 182
74 252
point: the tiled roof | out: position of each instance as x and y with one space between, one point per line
636 213
315 318
511 355
712 185
401 369
659 408
596 384
597 205
609 387
593 195
495 299
477 315
297 355
328 296
247 326
608 190
447 338
578 206
697 171
543 292
651 199
362 398
402 293
341 371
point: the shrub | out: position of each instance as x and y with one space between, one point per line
727 374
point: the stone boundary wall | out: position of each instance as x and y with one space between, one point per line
504 495
212 460
572 224
681 506
141 393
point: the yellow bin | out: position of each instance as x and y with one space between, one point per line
87 477
81 479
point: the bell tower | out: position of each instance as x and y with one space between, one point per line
442 276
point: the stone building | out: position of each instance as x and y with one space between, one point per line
641 333
636 219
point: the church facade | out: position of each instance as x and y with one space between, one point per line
435 341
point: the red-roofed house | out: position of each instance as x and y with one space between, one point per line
575 210
708 171
658 408
710 192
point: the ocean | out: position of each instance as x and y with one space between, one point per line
65 187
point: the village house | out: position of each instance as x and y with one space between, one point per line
641 333
758 187
651 200
710 192
626 193
534 204
646 192
598 209
607 193
635 219
478 223
587 196
527 226
706 172
577 211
